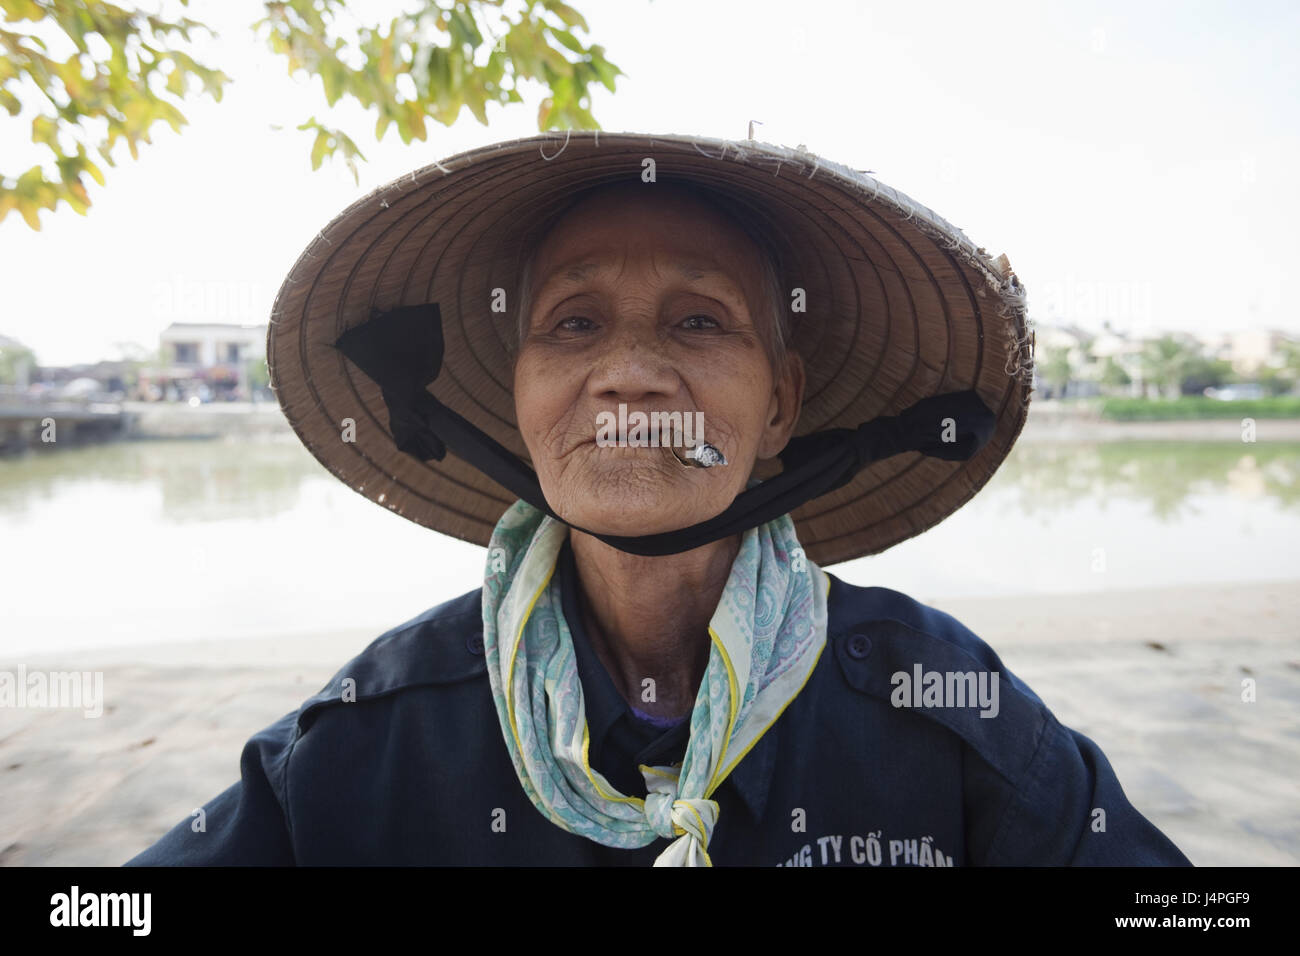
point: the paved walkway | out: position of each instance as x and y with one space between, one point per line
1154 677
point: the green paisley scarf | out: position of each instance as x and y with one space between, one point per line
767 634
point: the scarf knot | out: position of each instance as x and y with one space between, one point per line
670 816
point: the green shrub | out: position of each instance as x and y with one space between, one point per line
1191 407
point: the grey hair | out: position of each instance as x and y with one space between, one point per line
773 321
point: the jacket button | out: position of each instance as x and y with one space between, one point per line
474 642
859 646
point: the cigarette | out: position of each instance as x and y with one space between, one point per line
706 456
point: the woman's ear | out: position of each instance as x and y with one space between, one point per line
787 402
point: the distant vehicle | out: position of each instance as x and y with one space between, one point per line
78 388
1233 393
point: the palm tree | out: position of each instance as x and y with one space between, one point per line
1164 361
1113 374
1056 371
1290 369
16 362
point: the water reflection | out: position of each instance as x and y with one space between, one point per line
198 480
178 540
1163 475
216 480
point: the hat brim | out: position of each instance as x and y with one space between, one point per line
900 305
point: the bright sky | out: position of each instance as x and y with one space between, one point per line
1135 161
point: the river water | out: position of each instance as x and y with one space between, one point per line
141 542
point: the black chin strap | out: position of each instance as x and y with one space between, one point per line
401 351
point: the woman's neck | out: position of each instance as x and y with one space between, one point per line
648 617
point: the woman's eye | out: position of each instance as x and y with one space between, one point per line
575 323
693 321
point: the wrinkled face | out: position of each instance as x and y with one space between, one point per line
644 297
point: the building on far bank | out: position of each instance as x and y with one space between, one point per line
1249 350
207 360
1077 362
208 345
1073 361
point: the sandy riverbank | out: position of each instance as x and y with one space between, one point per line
1153 676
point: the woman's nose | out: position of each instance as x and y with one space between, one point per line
631 364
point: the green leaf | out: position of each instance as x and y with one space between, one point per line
415 120
555 59
28 181
76 197
570 16
318 148
474 99
440 68
494 69
172 116
23 10
140 76
464 30
176 81
569 40
605 70
330 80
29 213
45 129
95 174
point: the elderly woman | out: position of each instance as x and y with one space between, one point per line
657 670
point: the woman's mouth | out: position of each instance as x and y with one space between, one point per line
701 455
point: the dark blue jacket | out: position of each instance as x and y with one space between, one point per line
854 772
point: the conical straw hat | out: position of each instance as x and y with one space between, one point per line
900 305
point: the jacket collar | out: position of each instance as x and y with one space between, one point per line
751 778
